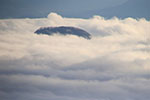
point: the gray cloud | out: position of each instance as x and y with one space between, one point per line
113 65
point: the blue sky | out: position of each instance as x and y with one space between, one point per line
39 8
75 8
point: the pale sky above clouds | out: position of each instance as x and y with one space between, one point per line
40 8
75 8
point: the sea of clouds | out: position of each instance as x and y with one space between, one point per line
113 65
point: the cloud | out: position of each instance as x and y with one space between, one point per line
113 65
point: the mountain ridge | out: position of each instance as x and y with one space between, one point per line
64 30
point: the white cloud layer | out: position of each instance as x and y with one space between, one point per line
113 65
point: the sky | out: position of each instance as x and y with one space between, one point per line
75 8
41 8
113 65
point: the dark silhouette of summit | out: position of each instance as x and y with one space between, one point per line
64 30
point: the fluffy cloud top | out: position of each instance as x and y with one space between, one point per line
113 65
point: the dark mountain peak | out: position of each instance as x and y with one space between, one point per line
64 30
